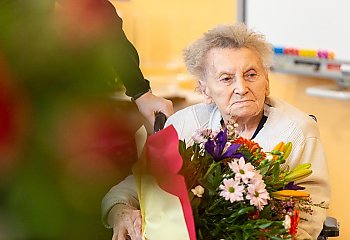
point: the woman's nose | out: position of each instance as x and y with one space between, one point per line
240 86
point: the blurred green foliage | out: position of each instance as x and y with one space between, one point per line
51 183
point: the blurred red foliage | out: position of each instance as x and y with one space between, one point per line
98 139
13 119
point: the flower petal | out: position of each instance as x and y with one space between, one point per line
293 186
209 147
220 140
231 151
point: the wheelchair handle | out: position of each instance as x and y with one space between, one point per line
159 121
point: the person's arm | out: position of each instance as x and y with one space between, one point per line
120 210
137 87
109 26
126 66
123 56
123 193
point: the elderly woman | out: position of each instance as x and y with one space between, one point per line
231 64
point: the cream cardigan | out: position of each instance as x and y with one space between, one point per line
284 123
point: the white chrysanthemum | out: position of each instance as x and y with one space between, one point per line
232 190
242 170
257 194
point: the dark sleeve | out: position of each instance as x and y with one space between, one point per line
127 68
126 59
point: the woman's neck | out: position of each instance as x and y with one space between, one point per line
246 126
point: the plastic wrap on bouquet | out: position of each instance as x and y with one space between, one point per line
165 206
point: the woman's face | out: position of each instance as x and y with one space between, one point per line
236 82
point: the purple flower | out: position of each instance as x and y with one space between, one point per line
292 186
215 147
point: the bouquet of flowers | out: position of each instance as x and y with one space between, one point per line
238 191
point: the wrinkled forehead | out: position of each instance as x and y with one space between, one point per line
232 59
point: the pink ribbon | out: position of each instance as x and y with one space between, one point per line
164 162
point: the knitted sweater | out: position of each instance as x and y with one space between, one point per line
284 123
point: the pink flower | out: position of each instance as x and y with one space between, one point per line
202 135
232 190
257 177
242 170
198 136
257 194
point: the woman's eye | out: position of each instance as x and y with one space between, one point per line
250 76
226 79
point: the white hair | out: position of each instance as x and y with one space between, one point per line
225 36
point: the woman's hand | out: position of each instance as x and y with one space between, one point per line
126 222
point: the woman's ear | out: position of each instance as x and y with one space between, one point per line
267 87
205 91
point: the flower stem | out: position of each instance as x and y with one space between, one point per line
210 169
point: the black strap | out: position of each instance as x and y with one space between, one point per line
260 126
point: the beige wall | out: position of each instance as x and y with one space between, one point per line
161 29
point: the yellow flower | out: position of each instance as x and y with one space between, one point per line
285 194
300 172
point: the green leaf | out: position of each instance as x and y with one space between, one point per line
246 235
182 146
276 238
265 225
245 210
263 170
276 171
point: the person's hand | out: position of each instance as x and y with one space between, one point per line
126 222
148 104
